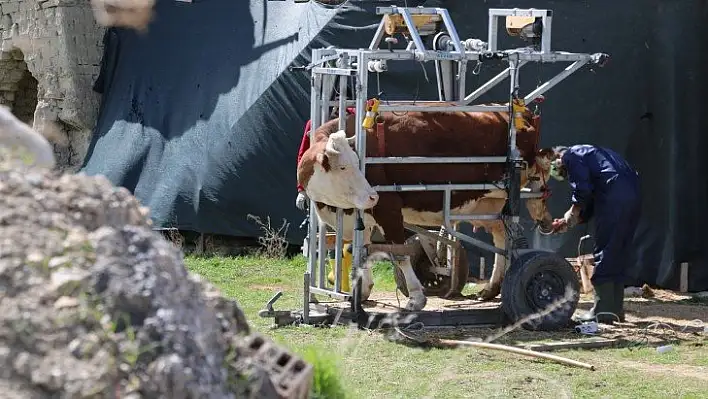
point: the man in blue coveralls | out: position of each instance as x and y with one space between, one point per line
604 186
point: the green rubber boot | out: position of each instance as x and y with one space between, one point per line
605 303
619 301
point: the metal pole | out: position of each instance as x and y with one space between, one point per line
514 187
322 252
340 212
306 305
361 93
315 108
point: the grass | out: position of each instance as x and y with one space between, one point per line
368 366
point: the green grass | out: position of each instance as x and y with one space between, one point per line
368 366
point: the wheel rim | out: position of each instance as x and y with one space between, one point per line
544 288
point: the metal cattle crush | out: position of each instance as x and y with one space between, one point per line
451 56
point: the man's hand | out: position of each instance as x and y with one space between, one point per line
559 226
570 219
301 200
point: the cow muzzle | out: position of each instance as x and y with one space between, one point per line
367 201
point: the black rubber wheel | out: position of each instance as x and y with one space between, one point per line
433 285
534 281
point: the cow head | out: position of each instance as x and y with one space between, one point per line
336 179
539 174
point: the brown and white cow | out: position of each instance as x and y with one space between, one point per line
329 171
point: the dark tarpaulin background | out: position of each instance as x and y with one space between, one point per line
201 117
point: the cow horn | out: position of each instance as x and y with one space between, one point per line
329 147
351 140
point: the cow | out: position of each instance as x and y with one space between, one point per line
329 172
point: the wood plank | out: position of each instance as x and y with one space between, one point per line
591 343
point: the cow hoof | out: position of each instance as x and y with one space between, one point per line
417 302
489 292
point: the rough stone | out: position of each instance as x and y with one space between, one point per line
96 304
56 47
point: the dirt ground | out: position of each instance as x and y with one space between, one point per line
654 317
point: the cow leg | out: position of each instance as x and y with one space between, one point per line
493 287
417 299
389 217
367 276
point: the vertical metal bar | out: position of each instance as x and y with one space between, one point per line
322 258
315 108
492 33
447 72
338 251
340 212
343 94
324 96
513 192
376 41
513 67
446 207
451 30
438 74
462 76
361 93
312 245
547 21
327 89
306 305
413 30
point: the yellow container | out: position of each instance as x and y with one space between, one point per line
346 269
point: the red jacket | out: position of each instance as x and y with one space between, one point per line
305 143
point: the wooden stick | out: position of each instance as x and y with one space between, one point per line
525 352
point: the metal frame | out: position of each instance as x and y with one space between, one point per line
451 61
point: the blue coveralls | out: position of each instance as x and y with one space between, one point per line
607 187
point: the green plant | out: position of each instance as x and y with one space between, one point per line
326 381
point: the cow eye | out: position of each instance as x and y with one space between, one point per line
342 167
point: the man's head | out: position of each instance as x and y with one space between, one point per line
558 170
329 171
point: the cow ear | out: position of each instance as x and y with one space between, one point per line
323 160
352 141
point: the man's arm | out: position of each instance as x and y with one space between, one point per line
578 176
579 179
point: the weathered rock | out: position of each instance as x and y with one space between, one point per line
93 303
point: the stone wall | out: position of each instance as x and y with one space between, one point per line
49 59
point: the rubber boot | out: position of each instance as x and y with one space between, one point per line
604 303
619 301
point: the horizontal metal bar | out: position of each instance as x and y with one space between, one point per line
474 217
442 271
453 187
442 108
412 10
437 187
531 195
334 71
329 293
519 12
420 160
523 54
477 243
